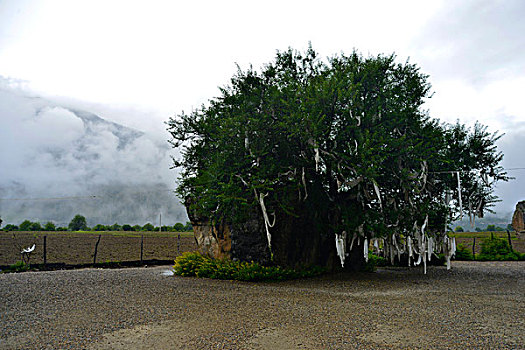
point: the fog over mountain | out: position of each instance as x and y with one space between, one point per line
106 171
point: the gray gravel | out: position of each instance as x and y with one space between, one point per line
475 305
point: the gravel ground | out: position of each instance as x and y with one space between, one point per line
477 305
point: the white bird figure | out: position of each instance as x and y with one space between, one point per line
28 249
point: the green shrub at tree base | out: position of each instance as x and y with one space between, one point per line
19 266
195 264
463 253
497 249
374 261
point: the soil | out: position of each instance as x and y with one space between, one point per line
78 248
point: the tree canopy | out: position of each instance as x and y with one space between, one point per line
344 139
78 223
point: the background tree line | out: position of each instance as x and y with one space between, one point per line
79 223
489 228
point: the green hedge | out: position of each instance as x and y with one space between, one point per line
498 249
195 264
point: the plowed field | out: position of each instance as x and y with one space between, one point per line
78 248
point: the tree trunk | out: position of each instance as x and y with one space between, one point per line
296 241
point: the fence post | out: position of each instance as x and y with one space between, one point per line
141 247
45 250
96 248
510 242
474 249
178 244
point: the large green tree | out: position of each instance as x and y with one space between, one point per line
341 148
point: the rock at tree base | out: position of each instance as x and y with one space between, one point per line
244 241
518 219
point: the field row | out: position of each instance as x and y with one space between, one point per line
78 248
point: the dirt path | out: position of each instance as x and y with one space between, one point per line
476 305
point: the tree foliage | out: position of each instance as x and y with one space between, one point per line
25 225
49 226
148 227
344 138
78 223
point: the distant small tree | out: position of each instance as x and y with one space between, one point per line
479 229
25 225
49 226
78 223
35 226
10 227
61 229
491 228
127 227
179 227
148 227
137 228
100 227
188 227
459 229
509 227
115 227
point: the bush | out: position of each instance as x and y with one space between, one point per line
459 229
127 227
463 253
19 266
374 261
195 264
495 248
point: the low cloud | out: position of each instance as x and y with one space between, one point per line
51 150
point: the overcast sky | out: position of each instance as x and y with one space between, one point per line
139 62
